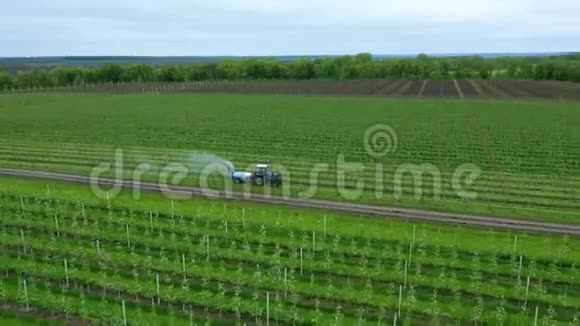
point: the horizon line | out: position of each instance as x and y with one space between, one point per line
294 55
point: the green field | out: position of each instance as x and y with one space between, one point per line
67 255
200 260
528 152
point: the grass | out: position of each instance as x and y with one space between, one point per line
526 151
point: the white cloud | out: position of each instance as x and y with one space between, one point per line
262 27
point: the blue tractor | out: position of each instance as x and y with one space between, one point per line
261 176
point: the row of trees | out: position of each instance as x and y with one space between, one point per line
360 66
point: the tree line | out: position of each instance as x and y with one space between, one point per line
360 66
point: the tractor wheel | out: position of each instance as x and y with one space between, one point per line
258 181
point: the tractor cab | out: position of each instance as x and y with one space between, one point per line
264 175
262 169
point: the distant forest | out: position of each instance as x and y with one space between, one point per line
360 66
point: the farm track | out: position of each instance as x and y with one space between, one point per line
439 88
479 91
422 88
458 88
379 211
402 89
510 89
467 88
413 88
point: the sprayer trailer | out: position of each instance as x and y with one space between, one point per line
262 175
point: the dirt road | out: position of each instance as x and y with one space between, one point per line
345 207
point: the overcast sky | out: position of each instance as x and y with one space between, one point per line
269 27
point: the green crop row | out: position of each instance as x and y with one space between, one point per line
115 259
220 253
342 250
36 297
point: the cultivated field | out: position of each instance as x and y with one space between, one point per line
526 151
69 256
489 89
